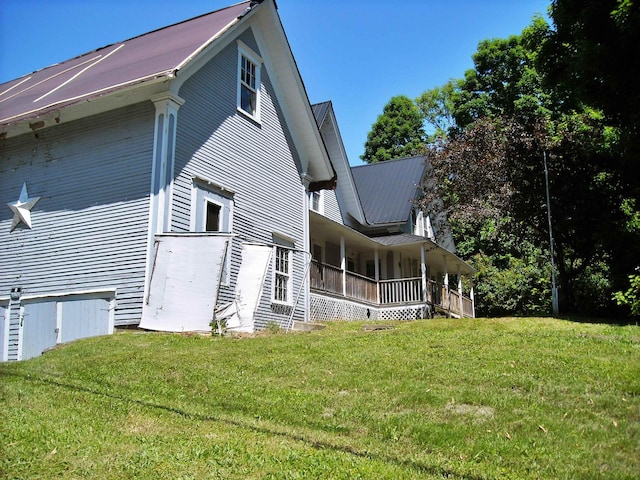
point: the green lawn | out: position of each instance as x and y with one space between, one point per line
507 398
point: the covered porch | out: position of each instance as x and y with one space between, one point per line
386 273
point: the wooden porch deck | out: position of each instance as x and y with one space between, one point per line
405 291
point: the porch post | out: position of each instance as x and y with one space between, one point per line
377 273
343 266
306 242
423 271
473 299
459 283
446 286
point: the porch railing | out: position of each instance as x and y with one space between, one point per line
329 279
406 290
360 287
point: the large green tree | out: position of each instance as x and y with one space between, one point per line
491 167
398 132
592 57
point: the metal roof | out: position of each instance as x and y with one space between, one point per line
160 53
320 111
388 189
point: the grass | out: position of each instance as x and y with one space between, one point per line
473 399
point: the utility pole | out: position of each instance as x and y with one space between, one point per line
554 289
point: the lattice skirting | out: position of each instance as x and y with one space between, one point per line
329 308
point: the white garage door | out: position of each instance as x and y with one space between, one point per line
39 324
45 324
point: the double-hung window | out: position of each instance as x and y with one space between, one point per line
282 275
315 200
248 82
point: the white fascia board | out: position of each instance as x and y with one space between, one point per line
207 51
344 173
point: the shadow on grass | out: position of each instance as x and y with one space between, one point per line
318 444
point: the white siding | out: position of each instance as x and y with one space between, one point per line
90 225
255 161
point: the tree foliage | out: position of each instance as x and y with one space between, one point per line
490 169
436 106
398 132
566 92
504 81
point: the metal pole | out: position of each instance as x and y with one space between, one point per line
554 289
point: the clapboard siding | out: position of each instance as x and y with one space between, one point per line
256 161
90 225
331 206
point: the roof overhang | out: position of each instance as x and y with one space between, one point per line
292 93
317 170
99 102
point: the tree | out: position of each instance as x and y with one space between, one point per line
398 132
436 106
490 168
592 57
504 81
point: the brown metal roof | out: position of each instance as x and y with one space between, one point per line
152 55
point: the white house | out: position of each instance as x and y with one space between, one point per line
182 176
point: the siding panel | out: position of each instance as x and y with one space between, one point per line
256 161
90 225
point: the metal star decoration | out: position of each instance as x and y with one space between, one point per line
22 208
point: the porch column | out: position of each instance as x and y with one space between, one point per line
459 282
343 266
376 267
423 271
472 297
306 242
446 302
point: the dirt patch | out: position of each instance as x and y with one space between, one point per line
480 412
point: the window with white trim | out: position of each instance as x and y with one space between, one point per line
282 275
212 211
248 83
315 201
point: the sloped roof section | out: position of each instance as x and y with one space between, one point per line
320 111
388 189
156 54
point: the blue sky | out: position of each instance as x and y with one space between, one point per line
357 53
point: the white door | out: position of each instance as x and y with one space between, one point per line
84 318
39 328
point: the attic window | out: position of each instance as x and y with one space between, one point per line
248 82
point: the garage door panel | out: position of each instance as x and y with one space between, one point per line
84 318
39 323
